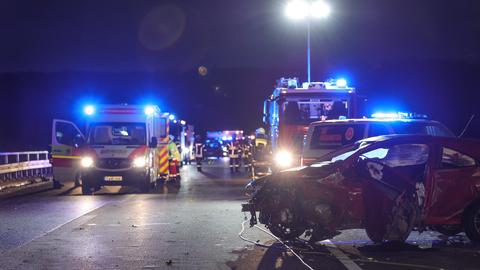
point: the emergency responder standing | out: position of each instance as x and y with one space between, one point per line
233 154
174 159
247 156
199 148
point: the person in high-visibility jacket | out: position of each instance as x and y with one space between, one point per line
247 156
199 149
174 158
234 155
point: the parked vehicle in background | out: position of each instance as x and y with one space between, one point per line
388 185
215 148
327 136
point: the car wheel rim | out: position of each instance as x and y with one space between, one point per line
476 221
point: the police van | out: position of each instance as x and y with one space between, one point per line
124 145
324 137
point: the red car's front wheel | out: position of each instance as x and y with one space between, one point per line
472 223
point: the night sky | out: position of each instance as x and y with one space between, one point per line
414 55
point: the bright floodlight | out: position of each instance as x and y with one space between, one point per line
300 9
89 110
149 110
297 9
341 82
319 9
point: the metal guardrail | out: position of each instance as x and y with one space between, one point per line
24 168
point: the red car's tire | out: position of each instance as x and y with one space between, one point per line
472 223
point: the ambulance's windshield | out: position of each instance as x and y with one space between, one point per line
117 134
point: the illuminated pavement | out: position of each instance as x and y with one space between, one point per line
194 226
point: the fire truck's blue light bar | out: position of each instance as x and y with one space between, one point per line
89 110
341 82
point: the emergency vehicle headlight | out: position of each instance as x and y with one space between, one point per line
87 162
139 162
284 159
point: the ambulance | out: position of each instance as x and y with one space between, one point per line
124 145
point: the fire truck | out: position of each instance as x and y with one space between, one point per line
124 145
291 108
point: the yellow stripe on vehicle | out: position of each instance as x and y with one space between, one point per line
67 157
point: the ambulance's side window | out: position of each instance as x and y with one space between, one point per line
67 134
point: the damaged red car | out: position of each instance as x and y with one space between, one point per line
388 185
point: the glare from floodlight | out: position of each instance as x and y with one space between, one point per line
320 10
297 9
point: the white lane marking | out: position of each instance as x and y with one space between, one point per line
342 257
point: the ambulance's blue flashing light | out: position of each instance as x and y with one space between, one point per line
89 110
149 110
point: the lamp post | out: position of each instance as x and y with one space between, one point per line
300 10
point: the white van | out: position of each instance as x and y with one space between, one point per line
124 145
326 136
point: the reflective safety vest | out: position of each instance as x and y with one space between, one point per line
232 151
174 153
199 150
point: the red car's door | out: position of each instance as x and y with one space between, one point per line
451 187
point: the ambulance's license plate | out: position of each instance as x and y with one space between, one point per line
113 178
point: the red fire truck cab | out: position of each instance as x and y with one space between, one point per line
290 109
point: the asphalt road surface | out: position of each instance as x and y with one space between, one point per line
191 226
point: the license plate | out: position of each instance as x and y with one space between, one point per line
113 178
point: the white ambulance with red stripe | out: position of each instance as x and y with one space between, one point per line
124 145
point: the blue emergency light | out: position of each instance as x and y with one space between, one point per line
171 117
386 115
399 115
341 82
89 110
149 110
